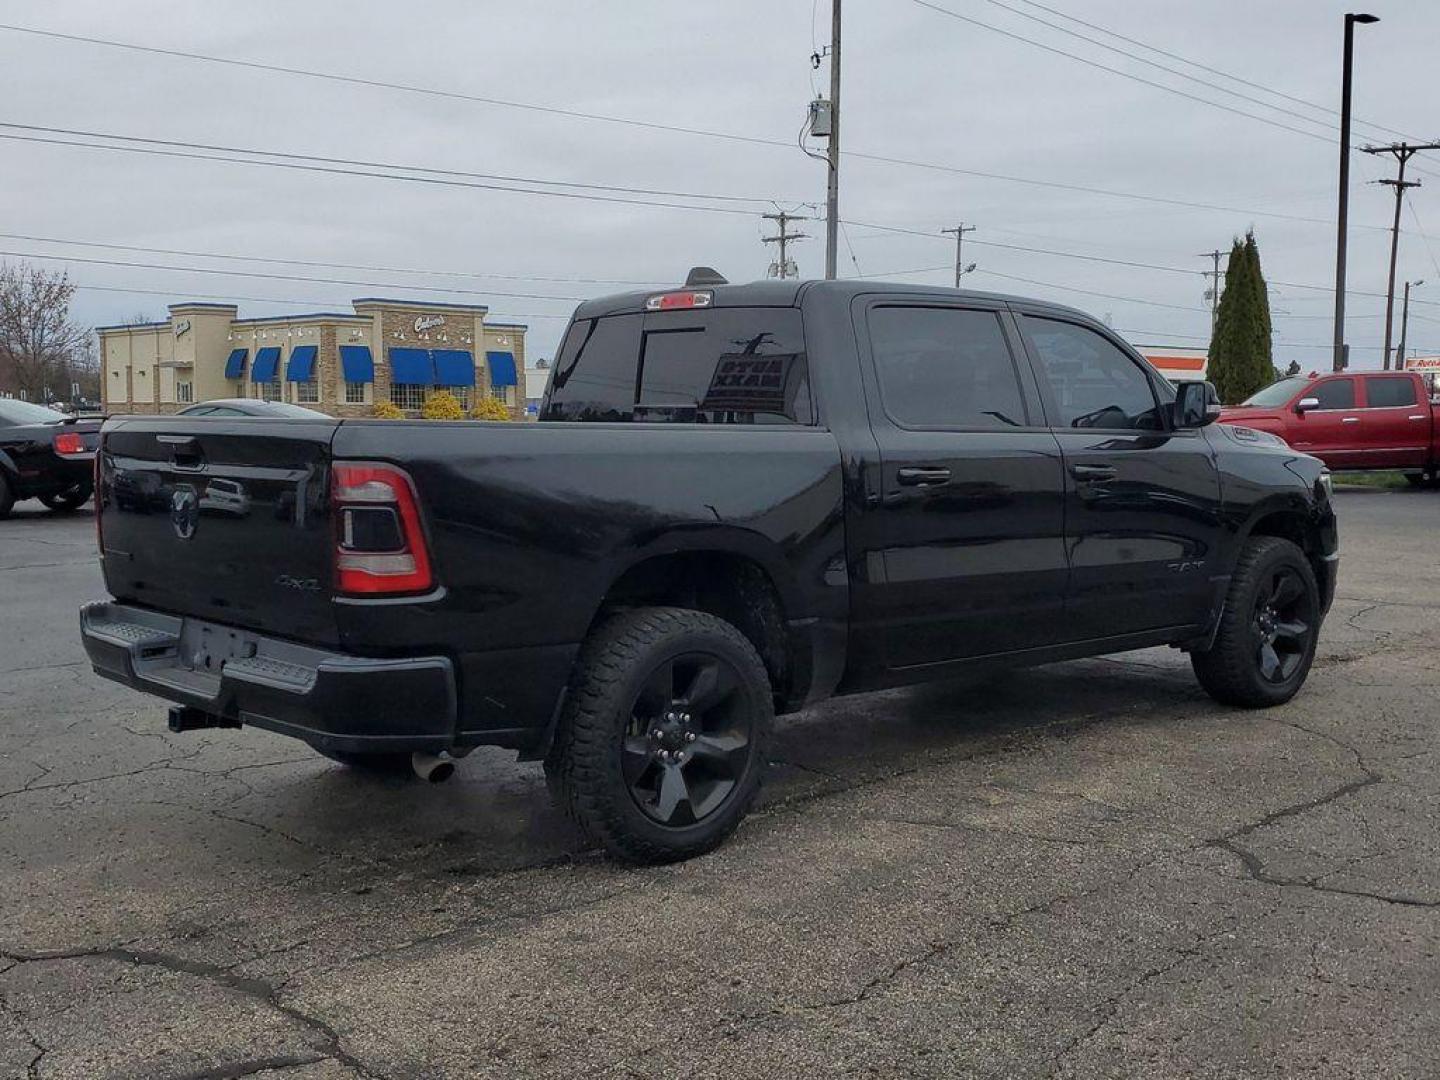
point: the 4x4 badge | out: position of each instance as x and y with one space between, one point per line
184 512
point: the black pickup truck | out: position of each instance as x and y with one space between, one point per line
740 499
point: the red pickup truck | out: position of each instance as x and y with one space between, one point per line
1351 421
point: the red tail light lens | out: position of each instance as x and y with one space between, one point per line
380 546
69 443
679 300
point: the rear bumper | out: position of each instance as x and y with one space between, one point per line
328 699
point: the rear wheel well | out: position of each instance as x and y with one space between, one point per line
729 586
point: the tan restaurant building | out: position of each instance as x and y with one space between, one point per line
339 363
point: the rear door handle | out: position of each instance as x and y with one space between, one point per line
923 475
1420 417
1093 472
1350 420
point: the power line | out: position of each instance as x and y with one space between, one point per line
289 156
434 180
652 125
287 303
283 277
323 265
1203 67
381 84
1154 64
1128 263
1118 71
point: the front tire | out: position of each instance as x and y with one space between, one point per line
7 497
70 499
1268 630
665 734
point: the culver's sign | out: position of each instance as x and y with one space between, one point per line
182 327
428 322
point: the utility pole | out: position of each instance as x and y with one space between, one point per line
832 189
1402 152
1342 215
1214 276
960 268
783 266
1405 322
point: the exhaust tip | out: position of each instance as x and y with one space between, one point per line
432 768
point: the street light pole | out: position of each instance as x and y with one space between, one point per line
1405 323
1342 216
832 189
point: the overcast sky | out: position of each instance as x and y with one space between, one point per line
918 85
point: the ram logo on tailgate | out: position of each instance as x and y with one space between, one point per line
184 512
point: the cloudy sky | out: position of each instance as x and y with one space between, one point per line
1038 150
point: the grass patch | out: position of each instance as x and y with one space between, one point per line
1389 480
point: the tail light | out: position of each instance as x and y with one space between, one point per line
69 443
379 544
680 300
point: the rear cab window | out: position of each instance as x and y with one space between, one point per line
743 365
1389 391
945 368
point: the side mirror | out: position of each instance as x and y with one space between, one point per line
1305 404
1196 404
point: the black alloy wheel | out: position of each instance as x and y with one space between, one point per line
663 739
688 741
1284 622
1268 629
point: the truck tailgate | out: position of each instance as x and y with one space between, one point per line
225 520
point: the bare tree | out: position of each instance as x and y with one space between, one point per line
38 342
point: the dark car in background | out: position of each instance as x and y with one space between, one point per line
232 407
45 455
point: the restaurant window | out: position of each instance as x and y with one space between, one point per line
184 392
357 393
407 396
308 391
501 394
459 393
269 391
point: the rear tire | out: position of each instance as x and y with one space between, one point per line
1268 630
665 734
70 499
7 496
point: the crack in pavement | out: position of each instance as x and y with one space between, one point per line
1254 866
255 988
32 1067
253 1066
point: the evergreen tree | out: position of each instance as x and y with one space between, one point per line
1240 349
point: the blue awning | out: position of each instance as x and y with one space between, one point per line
267 361
301 367
356 363
502 368
412 367
454 367
235 363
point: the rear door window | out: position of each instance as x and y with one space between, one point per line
1382 392
719 366
942 368
1335 394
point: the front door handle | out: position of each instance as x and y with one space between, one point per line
1093 473
923 475
1350 420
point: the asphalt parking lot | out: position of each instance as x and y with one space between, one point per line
1086 870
